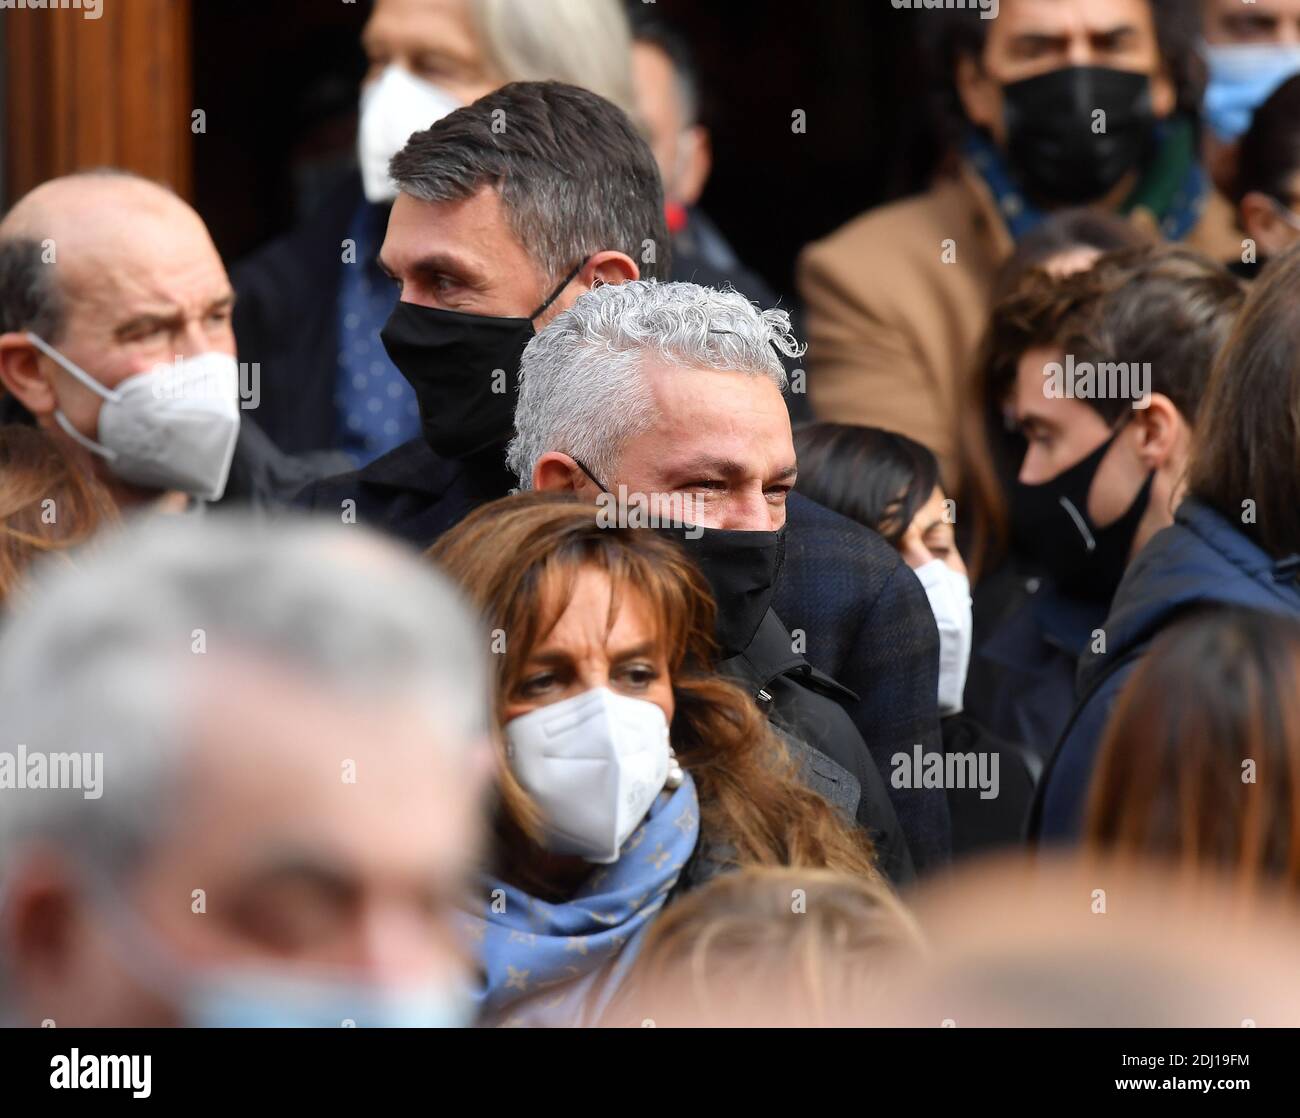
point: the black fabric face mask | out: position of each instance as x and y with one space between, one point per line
1051 144
1051 527
464 369
741 569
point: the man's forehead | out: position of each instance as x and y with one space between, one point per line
717 412
1063 17
418 24
465 228
143 261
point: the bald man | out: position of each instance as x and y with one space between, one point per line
116 338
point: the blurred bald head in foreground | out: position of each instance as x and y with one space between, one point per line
240 782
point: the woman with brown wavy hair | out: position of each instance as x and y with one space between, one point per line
1200 765
622 748
49 503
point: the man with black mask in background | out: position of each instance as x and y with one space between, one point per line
1103 372
1054 103
480 269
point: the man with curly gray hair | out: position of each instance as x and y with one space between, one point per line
663 403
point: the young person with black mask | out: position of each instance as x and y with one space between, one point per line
1103 373
1054 103
496 231
1235 540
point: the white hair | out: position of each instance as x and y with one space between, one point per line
582 388
98 657
586 43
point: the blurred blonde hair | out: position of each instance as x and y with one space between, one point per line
771 946
583 42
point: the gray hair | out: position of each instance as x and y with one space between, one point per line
574 175
582 388
99 658
30 295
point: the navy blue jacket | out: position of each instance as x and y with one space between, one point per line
868 625
1201 560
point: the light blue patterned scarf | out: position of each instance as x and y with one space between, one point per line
560 963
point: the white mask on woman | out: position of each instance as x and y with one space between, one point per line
593 764
949 594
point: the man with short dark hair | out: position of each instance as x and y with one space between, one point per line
1103 372
487 243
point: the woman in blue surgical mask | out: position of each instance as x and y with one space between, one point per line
891 483
1267 187
629 771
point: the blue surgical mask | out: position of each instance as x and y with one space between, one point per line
1241 79
256 996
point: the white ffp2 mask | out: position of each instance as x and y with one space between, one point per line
593 764
393 106
949 594
171 427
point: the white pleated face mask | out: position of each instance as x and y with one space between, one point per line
173 427
393 106
593 764
949 594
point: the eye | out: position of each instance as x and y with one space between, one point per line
778 493
638 676
537 685
713 485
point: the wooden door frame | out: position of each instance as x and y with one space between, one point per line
108 92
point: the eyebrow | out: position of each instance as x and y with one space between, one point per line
171 318
436 264
726 467
305 868
560 656
1034 420
1040 38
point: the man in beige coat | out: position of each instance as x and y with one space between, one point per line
1069 96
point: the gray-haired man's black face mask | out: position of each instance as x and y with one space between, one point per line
741 569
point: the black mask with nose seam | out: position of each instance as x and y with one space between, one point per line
741 569
464 369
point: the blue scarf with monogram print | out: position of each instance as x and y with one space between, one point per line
568 958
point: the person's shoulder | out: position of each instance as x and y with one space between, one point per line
820 529
894 226
412 466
